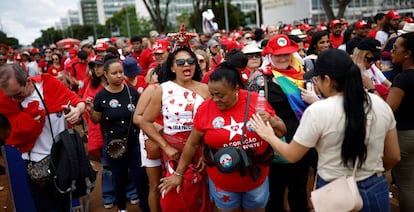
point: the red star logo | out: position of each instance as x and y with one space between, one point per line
182 38
225 198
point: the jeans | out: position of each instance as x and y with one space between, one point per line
121 168
374 192
108 192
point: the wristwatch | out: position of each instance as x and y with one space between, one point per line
372 90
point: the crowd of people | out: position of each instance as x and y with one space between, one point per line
336 95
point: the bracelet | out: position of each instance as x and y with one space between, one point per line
178 174
372 90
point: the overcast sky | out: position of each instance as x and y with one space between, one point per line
23 19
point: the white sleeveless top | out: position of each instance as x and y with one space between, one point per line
179 106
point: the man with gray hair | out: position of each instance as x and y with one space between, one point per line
35 107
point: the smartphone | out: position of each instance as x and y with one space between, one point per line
67 108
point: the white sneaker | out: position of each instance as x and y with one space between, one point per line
134 201
109 205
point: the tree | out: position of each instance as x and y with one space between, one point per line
138 26
341 8
158 16
10 41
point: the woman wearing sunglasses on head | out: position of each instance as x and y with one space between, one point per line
178 97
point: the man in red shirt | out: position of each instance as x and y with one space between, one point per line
78 72
143 56
336 36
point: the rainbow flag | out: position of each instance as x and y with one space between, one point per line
290 87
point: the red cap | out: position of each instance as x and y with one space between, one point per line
280 44
73 52
322 28
408 20
101 46
160 46
287 28
392 14
34 50
360 23
305 27
335 22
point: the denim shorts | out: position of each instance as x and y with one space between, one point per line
251 200
374 192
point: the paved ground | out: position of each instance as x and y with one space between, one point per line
96 199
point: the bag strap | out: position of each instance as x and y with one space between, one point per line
246 114
47 111
130 102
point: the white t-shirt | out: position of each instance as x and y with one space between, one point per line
381 36
376 75
323 126
43 143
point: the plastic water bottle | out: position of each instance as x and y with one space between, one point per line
261 102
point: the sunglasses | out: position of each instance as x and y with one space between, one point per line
371 59
3 59
181 62
201 61
251 56
55 58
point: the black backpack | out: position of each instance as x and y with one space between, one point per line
70 168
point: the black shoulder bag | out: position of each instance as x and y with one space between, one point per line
230 159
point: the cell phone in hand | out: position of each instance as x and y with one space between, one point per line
67 108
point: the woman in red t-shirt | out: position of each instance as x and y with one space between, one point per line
219 122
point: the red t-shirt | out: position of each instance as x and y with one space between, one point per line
222 128
53 70
140 85
372 33
81 69
145 59
336 41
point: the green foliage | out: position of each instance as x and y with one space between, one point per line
10 41
138 26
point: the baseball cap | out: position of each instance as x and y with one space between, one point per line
335 22
280 44
360 23
336 62
160 46
212 42
392 14
131 68
85 43
298 33
371 45
97 59
101 46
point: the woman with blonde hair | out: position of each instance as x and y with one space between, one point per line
365 55
203 60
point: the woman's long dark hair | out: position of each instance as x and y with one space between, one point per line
166 72
95 80
357 105
316 37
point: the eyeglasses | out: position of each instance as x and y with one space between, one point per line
252 56
19 94
371 59
394 48
181 62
